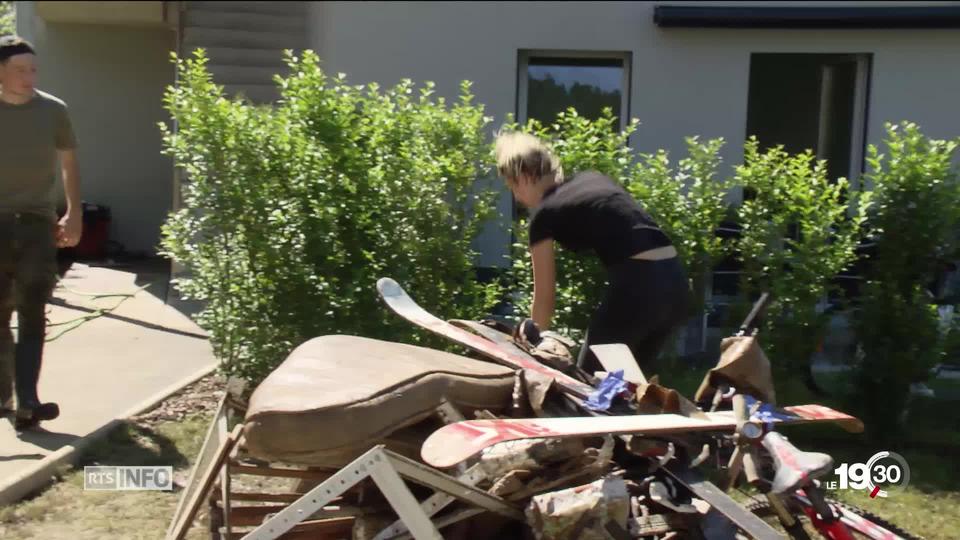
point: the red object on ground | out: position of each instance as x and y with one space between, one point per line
96 233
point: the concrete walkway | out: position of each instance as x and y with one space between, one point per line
104 370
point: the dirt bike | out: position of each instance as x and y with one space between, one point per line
786 476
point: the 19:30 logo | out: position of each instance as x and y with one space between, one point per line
883 470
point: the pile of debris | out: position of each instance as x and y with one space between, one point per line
525 445
336 397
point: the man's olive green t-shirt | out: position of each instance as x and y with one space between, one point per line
30 135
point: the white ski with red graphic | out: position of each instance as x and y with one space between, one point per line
401 303
455 443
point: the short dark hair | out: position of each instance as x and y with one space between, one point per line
12 46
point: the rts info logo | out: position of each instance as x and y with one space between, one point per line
98 478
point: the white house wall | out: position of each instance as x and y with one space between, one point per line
684 81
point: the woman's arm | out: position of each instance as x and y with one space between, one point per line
544 283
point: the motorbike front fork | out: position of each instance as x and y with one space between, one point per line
823 517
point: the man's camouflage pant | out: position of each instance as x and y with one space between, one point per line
28 270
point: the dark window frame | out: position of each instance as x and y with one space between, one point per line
862 102
827 17
571 57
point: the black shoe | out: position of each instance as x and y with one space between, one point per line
6 407
28 418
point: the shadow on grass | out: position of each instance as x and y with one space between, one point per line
131 445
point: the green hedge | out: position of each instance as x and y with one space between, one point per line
291 213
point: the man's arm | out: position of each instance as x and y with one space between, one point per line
71 225
544 283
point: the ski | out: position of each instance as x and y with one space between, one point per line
455 443
400 302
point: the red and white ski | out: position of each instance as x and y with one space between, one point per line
455 443
401 303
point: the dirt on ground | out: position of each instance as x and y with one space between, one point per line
200 398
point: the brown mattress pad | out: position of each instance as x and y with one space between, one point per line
337 396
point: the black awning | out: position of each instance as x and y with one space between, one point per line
806 17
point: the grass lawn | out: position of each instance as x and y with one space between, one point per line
169 435
65 510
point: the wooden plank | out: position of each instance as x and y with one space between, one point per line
252 516
265 497
302 535
322 529
211 443
722 503
250 461
206 479
283 472
223 423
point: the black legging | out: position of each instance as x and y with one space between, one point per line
645 301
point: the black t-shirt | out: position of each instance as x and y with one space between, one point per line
592 212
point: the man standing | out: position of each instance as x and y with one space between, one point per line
35 134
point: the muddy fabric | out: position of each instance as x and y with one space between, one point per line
553 350
652 398
742 365
337 396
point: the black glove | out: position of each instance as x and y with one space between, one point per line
528 331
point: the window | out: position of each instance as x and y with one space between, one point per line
801 101
551 81
811 101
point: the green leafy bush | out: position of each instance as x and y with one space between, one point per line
8 18
914 229
689 203
798 231
291 213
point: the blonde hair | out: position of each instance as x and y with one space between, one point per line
521 153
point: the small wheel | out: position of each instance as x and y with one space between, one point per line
802 529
